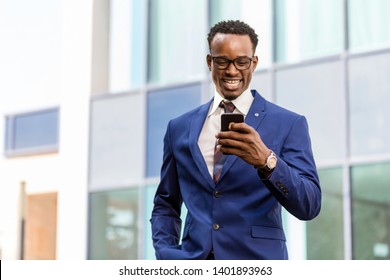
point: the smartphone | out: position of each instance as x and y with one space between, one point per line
228 118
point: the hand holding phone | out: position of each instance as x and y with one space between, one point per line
228 118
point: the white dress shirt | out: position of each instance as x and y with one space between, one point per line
212 124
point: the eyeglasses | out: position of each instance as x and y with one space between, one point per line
241 63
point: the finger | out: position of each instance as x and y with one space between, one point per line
229 134
239 128
230 150
237 136
242 127
229 142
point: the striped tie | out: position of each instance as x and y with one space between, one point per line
219 157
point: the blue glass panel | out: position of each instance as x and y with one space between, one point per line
35 130
163 105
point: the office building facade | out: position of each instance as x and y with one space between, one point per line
89 86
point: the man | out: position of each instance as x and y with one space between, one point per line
268 163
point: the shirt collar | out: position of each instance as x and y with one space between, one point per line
242 103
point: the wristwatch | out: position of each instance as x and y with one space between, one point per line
270 163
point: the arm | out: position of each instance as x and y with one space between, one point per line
294 181
166 222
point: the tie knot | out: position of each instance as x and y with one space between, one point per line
227 105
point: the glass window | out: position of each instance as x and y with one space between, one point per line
315 91
149 193
325 239
307 29
178 40
368 24
224 10
164 105
128 44
261 81
34 132
117 140
114 225
369 104
259 19
371 211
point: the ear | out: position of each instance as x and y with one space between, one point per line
208 61
255 61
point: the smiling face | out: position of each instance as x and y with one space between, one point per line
230 82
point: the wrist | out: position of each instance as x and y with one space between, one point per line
270 163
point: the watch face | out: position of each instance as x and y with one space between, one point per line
271 162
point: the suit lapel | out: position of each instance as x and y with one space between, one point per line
255 115
196 126
257 111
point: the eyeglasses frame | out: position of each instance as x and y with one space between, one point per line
232 61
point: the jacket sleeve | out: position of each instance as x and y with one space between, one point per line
294 181
165 221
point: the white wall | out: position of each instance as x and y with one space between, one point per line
75 96
45 54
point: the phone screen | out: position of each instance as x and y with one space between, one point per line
228 118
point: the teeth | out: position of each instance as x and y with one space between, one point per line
232 81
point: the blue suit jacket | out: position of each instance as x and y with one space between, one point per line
240 216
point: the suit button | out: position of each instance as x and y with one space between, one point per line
217 193
282 188
215 226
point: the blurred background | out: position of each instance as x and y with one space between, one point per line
87 88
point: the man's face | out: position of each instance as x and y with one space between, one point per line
230 82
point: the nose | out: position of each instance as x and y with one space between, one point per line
231 68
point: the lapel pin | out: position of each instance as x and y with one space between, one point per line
256 114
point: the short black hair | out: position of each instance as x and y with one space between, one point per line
233 27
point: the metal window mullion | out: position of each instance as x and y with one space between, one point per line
347 189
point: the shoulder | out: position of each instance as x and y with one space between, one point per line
277 113
281 111
272 108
